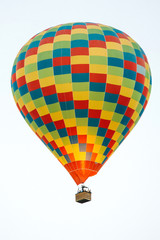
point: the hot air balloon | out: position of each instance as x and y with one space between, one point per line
81 87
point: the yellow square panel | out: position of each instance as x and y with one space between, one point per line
63 37
43 110
70 122
132 104
82 130
113 45
116 80
82 156
45 47
81 95
48 81
63 160
148 95
97 51
132 127
115 146
127 92
96 148
59 142
69 148
30 77
54 153
39 132
20 73
113 125
80 59
125 42
66 87
106 115
146 82
147 66
102 149
95 104
97 68
116 135
91 139
49 137
92 27
56 116
135 116
66 141
99 158
76 151
32 128
30 106
15 99
99 140
79 30
30 59
20 102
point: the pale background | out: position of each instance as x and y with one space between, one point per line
36 192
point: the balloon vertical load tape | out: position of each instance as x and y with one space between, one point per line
83 197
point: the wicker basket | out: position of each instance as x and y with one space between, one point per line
83 197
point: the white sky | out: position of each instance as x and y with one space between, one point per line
36 192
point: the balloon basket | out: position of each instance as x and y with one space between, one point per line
83 195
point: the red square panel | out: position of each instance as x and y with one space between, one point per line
112 39
72 131
59 124
98 77
104 123
140 61
67 96
129 112
62 32
130 65
94 113
13 78
20 64
123 100
79 26
33 85
82 138
53 144
46 118
112 142
59 61
80 68
45 140
89 147
81 104
79 51
24 110
31 51
34 114
49 90
63 150
140 78
46 40
130 123
111 88
21 81
97 43
109 134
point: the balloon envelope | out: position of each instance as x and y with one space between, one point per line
81 87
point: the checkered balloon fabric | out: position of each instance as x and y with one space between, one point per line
81 87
